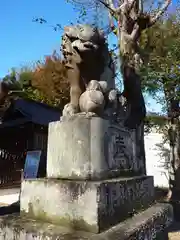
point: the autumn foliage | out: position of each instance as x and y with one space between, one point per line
50 79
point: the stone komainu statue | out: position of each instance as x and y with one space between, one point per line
91 71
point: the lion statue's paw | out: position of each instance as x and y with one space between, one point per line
69 110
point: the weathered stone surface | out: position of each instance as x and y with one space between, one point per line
14 227
86 205
91 148
149 224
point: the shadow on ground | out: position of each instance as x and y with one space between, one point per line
12 208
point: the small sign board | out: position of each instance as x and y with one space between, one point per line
32 164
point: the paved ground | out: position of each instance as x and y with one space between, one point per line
9 196
174 232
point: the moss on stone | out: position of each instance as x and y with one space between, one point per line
66 221
20 228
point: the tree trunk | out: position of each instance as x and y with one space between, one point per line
128 35
131 22
130 60
174 142
134 96
174 139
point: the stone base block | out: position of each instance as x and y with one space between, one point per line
91 148
149 224
85 205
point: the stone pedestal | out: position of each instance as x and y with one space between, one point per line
86 188
87 205
150 224
86 161
91 148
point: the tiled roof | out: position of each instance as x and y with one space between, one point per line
36 112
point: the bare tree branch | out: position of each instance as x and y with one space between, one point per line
135 34
131 5
111 23
108 6
160 12
111 4
146 21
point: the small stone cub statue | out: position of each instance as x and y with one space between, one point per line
97 97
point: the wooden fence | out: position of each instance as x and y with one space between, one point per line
10 168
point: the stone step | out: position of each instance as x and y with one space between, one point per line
92 148
149 224
86 205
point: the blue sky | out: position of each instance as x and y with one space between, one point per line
24 42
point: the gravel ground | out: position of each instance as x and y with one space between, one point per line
174 231
3 204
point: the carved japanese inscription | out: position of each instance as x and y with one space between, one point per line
116 194
120 152
121 149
